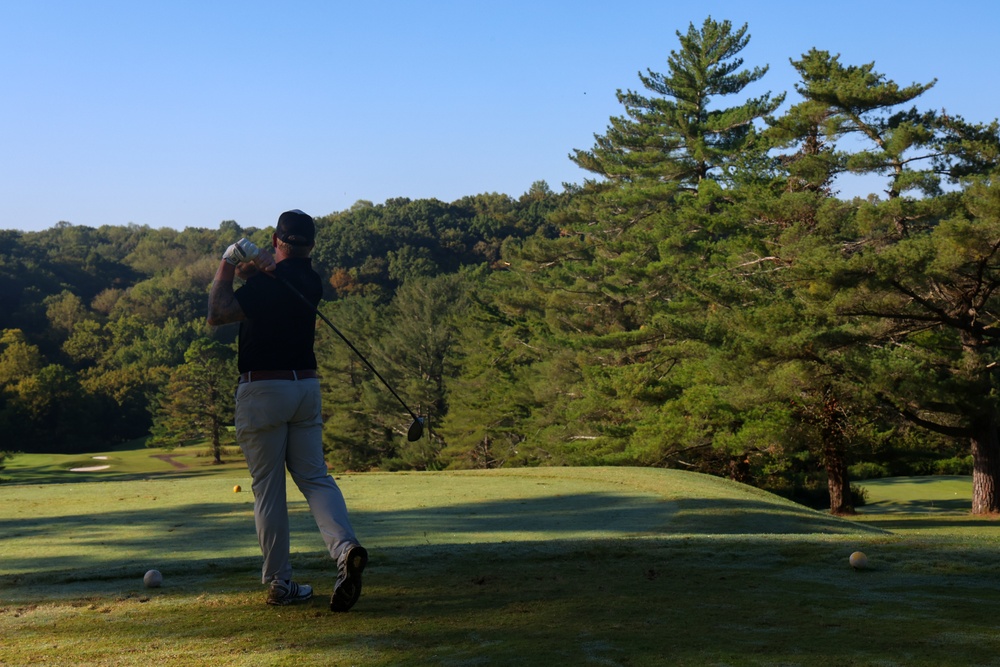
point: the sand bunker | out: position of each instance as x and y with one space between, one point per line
92 468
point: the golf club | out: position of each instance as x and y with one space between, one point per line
416 429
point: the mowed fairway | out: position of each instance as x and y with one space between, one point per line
545 566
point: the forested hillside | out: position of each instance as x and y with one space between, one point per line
95 320
706 301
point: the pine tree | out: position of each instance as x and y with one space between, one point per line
353 436
833 409
677 136
418 352
923 304
647 251
857 101
197 402
909 279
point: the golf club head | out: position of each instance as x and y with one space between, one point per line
416 430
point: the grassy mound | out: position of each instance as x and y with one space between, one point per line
181 523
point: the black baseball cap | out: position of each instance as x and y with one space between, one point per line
296 228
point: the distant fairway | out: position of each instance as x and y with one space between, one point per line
130 462
951 493
543 566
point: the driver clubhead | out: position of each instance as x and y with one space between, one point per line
416 430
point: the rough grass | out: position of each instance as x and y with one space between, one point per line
545 566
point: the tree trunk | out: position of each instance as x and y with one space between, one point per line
835 456
739 468
986 469
482 456
838 482
216 442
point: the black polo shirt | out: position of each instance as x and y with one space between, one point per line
279 329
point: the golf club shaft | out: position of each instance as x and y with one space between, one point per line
349 344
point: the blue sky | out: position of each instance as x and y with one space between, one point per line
184 114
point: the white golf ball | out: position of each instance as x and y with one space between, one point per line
858 560
152 579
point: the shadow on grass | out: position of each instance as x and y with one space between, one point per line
682 602
119 540
587 578
739 516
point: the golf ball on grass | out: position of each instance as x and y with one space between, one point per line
858 560
152 579
237 489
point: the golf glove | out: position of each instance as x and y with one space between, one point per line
241 252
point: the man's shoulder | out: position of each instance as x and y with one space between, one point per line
296 265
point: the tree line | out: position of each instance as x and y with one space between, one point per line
99 326
706 300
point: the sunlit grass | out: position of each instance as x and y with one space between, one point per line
545 566
132 462
944 493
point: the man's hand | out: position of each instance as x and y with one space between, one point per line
240 252
245 252
246 271
242 258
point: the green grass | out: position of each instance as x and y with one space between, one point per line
549 566
938 494
133 462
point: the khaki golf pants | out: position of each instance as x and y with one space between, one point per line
279 425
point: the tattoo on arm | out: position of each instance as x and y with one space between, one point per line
223 308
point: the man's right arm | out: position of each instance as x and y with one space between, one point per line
246 259
223 308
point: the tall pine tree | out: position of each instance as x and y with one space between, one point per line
629 290
678 135
910 278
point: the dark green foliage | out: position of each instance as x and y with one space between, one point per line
905 282
922 297
119 306
41 404
373 249
643 282
197 401
353 437
494 398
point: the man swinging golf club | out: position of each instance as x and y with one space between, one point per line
278 416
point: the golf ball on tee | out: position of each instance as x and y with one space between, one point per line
152 579
858 560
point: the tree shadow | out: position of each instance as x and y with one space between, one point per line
98 546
